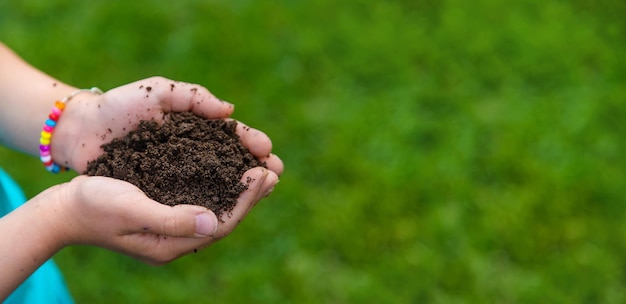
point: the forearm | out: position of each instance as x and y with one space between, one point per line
29 238
26 97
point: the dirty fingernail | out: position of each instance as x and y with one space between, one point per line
268 192
271 189
206 224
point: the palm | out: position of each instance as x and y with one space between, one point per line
121 109
118 111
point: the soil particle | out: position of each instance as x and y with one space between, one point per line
187 160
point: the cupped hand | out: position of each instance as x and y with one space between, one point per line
116 215
90 121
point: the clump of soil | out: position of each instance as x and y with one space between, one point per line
187 160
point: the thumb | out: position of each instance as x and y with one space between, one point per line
179 221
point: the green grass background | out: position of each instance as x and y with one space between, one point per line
435 151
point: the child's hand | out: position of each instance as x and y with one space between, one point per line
90 120
116 215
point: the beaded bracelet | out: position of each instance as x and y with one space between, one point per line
48 129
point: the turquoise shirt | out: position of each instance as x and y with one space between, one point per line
46 285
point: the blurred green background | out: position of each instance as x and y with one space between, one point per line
435 151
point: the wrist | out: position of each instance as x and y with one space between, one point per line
70 126
46 224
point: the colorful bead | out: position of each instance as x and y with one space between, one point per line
45 158
56 111
50 122
54 168
59 105
45 134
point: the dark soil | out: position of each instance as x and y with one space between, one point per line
187 160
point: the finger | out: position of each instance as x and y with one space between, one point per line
173 235
255 179
257 142
176 96
273 163
149 216
268 185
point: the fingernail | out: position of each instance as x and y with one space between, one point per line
270 190
227 103
206 224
